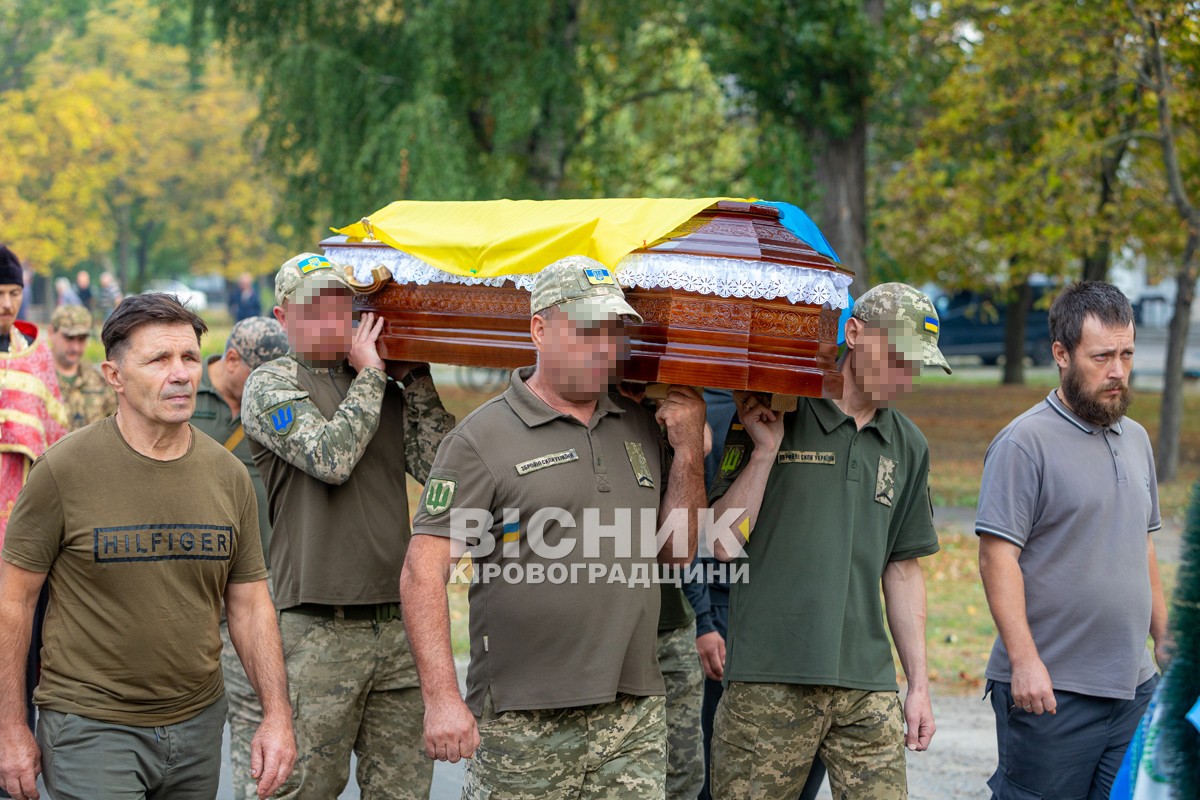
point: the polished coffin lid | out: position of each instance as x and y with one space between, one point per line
730 299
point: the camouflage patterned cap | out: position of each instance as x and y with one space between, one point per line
582 287
71 320
910 319
310 271
258 340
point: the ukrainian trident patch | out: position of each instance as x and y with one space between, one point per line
439 494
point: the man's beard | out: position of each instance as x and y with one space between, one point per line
1089 405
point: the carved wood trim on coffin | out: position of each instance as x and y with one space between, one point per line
768 345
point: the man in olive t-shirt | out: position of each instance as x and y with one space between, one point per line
141 526
833 496
564 693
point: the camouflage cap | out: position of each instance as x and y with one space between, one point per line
582 287
258 340
909 318
312 272
71 320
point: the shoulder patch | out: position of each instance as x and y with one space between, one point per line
641 468
282 417
731 458
439 494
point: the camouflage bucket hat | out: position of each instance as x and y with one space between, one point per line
910 319
258 340
310 271
71 320
583 288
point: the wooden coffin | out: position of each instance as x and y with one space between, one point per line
691 334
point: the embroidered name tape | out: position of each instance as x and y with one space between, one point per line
805 457
541 462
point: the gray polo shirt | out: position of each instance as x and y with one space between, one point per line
553 643
1079 500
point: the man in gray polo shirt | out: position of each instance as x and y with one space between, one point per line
1067 501
564 693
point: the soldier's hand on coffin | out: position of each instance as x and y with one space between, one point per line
764 426
363 353
682 414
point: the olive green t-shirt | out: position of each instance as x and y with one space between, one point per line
139 553
839 504
575 637
214 417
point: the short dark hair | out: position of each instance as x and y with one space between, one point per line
1085 299
154 308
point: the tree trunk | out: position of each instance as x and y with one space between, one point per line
1171 420
840 170
1017 312
1097 260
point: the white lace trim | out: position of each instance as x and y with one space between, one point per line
723 277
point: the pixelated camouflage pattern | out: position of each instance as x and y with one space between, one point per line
327 449
72 320
904 311
610 751
258 340
87 397
583 287
244 717
310 270
885 481
353 686
765 736
426 423
680 665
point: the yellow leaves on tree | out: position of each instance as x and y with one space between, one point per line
114 150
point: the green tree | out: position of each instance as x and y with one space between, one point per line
1170 36
1034 121
452 100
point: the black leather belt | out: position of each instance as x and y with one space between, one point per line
379 612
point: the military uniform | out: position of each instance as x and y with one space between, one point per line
809 665
684 680
86 396
333 447
564 676
257 340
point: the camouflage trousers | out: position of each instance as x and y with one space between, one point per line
611 751
766 734
680 665
353 686
244 717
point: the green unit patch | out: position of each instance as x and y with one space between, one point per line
805 457
549 460
637 460
439 494
731 458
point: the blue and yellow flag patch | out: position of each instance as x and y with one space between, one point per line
314 263
599 276
931 324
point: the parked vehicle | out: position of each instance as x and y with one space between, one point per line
192 298
973 324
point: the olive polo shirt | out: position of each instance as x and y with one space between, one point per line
214 418
555 643
839 505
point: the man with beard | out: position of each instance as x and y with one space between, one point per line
1067 500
